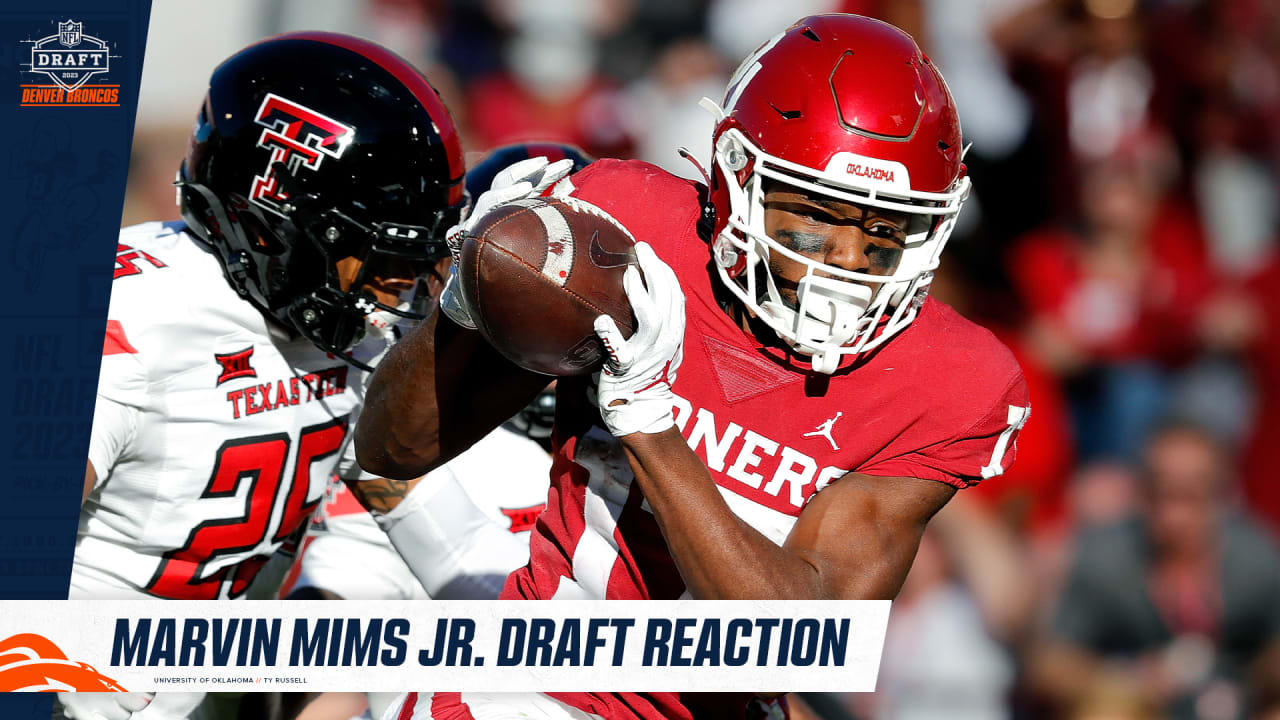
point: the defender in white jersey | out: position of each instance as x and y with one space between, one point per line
206 413
483 502
321 173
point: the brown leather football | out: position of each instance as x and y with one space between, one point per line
536 273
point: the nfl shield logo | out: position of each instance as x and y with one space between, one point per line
69 33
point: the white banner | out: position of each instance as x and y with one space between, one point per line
622 646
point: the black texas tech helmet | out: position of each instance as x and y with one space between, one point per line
315 147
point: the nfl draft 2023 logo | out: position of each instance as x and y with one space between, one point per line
69 59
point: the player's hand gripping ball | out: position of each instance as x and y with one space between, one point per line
536 273
520 181
635 389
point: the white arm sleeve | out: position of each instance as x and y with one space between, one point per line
114 427
452 547
122 397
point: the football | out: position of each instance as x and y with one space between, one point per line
537 273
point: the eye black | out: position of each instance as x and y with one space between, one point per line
884 256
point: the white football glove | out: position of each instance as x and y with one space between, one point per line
634 391
103 706
525 179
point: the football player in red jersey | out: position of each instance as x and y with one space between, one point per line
792 408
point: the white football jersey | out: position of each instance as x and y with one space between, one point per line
214 433
504 476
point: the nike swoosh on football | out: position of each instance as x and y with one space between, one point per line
602 258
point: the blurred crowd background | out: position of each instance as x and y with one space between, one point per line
1121 239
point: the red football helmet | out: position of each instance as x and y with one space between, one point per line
845 107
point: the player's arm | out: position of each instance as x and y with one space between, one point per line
380 495
114 431
854 540
451 546
123 393
436 393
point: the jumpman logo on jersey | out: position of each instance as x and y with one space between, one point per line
824 430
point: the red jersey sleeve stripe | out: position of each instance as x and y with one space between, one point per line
115 342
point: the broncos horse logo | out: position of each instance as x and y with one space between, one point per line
31 663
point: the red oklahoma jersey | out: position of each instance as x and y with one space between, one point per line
942 401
